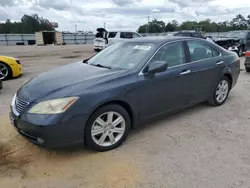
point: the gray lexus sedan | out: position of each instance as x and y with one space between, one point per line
98 101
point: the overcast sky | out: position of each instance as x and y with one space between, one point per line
121 14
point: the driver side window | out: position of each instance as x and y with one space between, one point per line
172 53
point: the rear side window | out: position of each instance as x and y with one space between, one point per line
135 35
126 35
215 52
112 34
199 50
172 53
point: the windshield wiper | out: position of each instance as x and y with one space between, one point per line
102 66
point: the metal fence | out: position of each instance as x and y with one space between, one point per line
78 38
25 39
14 39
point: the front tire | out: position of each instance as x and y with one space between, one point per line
5 71
221 92
107 128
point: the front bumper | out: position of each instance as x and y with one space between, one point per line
16 70
64 133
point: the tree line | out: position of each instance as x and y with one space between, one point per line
29 24
158 26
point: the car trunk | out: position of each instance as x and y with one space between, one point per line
101 38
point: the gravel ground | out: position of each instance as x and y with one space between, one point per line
202 146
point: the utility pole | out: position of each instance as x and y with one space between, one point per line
104 25
147 28
76 27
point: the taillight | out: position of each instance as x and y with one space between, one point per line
247 54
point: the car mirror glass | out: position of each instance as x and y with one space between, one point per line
157 66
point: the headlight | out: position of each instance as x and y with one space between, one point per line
54 106
233 48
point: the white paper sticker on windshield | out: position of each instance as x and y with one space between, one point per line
141 47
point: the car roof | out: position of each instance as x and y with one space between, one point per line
122 31
158 39
191 31
238 31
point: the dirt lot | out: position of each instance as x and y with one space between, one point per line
200 147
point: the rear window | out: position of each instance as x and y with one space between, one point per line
199 35
99 35
112 34
183 34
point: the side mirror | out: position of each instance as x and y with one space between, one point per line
157 66
85 61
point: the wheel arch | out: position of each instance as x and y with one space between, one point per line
230 78
123 104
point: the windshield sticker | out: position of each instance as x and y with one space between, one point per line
140 47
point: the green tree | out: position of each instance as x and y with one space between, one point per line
170 27
28 24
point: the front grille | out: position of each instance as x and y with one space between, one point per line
20 104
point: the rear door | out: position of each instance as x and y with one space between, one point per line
206 65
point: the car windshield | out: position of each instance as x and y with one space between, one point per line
123 55
236 34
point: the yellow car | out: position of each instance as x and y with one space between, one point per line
9 67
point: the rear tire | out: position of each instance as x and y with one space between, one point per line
221 92
97 50
107 128
247 69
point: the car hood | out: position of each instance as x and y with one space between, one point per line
228 39
227 42
7 57
63 78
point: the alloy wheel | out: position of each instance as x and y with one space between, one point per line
3 71
222 91
108 129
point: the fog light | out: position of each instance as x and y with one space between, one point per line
40 140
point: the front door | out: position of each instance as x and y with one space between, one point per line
166 91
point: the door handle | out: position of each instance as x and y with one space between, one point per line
185 72
219 62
